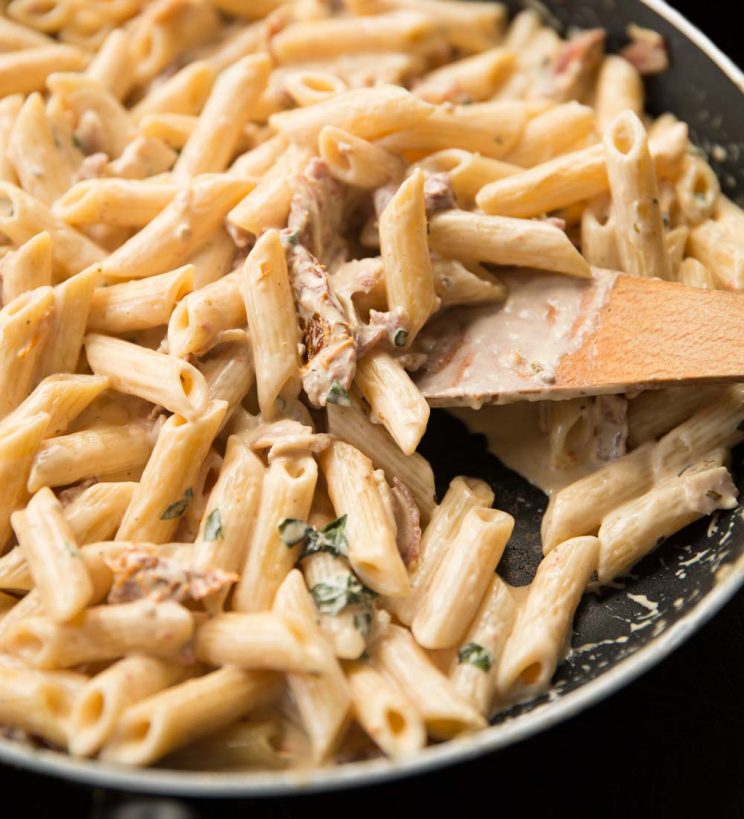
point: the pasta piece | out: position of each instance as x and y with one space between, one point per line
9 109
619 88
286 494
212 144
323 700
260 640
213 260
229 374
463 495
198 319
165 721
28 267
97 512
507 241
26 71
258 160
24 324
695 274
353 426
445 713
22 217
180 229
61 349
267 205
360 492
543 624
713 246
15 37
354 161
233 505
161 379
102 633
384 711
489 128
599 235
272 322
475 674
139 304
14 572
102 701
18 444
409 281
698 190
572 178
369 113
554 132
44 171
471 79
675 242
53 556
394 399
632 530
635 199
117 202
183 93
456 589
35 702
96 452
312 87
110 67
165 490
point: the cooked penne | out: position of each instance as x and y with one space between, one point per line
323 700
165 490
53 556
507 241
355 161
22 72
9 109
183 93
599 235
110 66
162 379
139 304
28 267
286 494
635 199
445 713
619 88
102 700
714 247
97 512
695 274
258 160
272 322
393 398
543 623
457 587
556 131
404 245
471 79
698 190
358 491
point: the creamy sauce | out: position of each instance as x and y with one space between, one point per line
510 352
514 436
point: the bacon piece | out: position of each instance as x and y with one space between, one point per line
330 351
573 66
408 521
139 574
647 51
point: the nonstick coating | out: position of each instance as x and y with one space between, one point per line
620 632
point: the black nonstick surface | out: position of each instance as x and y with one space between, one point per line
669 744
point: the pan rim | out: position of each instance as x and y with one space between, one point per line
375 772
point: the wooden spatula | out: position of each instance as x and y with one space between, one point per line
557 336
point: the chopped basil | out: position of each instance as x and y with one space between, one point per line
476 655
362 622
331 538
71 550
334 595
213 526
290 238
401 337
293 531
77 142
338 395
177 508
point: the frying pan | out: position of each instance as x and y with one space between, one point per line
620 632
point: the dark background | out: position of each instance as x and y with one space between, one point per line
670 744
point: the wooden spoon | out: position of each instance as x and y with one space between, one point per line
557 337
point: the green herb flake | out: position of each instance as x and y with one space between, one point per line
363 622
331 538
71 550
177 508
293 531
77 142
290 238
476 655
400 338
334 595
338 395
213 526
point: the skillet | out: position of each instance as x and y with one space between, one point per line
624 630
